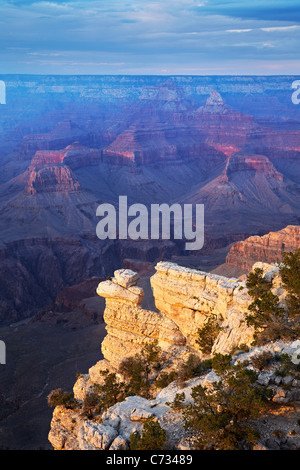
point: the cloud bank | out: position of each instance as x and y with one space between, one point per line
157 37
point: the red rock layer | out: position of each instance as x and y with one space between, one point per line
157 137
75 155
52 179
256 163
268 248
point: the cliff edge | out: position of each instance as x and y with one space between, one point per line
185 299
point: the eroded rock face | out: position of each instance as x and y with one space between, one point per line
74 155
268 248
184 299
51 179
259 164
70 431
189 297
129 326
63 134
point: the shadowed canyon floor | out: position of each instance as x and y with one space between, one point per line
40 357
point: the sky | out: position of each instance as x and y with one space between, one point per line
167 37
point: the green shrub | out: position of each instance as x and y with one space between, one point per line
112 390
221 363
256 284
165 378
192 367
103 396
270 321
268 318
153 437
208 334
59 397
133 369
92 404
289 271
238 348
244 347
220 416
178 401
137 369
287 367
262 361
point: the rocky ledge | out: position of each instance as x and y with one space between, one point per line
71 430
185 299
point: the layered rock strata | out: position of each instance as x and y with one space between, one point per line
128 325
268 248
184 298
189 297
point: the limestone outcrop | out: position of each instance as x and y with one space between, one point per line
71 430
128 325
185 298
189 297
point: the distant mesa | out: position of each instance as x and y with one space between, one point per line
60 136
224 128
61 129
214 99
75 155
52 179
52 170
249 184
166 91
255 163
47 157
124 150
214 104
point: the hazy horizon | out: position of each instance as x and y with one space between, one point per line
145 75
178 37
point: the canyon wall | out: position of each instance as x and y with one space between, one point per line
268 248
